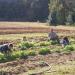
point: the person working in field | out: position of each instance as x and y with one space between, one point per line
5 48
64 41
53 36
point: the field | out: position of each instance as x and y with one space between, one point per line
36 55
26 27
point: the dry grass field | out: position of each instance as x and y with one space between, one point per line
31 27
60 63
22 24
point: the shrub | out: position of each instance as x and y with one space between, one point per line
24 55
10 58
69 48
16 54
44 51
2 56
53 42
31 53
25 45
44 43
13 56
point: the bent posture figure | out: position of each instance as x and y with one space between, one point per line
5 48
64 42
53 36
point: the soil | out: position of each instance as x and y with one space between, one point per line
33 62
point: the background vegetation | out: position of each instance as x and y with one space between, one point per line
23 10
37 10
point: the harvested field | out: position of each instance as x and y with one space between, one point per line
58 62
26 27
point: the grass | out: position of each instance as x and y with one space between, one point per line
59 69
63 69
44 51
33 48
44 43
26 45
20 36
22 24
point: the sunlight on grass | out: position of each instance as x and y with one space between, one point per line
20 36
23 24
63 69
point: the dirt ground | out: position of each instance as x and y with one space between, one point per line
24 65
21 67
30 27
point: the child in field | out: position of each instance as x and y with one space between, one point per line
64 41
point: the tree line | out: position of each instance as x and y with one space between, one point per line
54 11
60 13
24 10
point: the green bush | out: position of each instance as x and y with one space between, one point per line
53 42
20 54
2 56
44 43
31 53
25 45
24 55
44 51
9 58
69 48
13 56
16 54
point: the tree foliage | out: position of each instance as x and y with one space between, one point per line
25 10
64 13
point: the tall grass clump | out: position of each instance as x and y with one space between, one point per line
44 51
31 53
68 49
24 55
53 42
25 45
2 57
44 43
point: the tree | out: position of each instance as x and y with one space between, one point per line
69 18
57 7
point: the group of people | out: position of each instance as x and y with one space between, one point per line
54 37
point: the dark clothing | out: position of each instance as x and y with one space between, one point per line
64 41
4 48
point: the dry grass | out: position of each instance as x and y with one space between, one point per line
63 69
31 27
22 24
20 36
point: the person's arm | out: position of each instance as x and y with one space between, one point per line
49 35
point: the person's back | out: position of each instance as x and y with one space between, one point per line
52 35
4 48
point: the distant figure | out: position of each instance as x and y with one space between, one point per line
53 36
5 48
24 38
64 41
